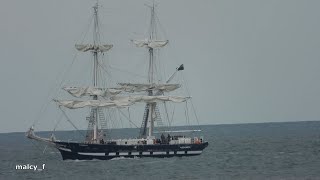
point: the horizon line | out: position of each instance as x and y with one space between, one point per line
273 122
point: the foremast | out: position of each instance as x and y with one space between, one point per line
151 72
93 92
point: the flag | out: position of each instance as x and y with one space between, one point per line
180 68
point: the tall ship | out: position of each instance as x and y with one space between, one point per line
97 142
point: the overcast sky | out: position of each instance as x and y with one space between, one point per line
245 60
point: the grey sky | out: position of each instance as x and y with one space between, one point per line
246 60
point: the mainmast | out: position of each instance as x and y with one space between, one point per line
151 43
95 70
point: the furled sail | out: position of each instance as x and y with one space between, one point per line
75 104
91 91
90 47
150 43
118 101
131 87
150 99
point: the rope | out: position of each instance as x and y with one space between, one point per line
167 114
122 70
193 108
64 75
64 113
42 157
58 121
174 107
128 118
120 119
187 114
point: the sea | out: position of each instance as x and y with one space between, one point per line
289 150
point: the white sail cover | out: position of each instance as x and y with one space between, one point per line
89 47
118 101
91 91
150 43
131 87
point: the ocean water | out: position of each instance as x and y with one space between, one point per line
243 151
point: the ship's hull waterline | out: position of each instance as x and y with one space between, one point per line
82 151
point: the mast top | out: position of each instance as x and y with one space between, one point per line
152 34
96 28
96 5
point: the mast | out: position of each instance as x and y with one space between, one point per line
151 70
95 70
95 48
151 43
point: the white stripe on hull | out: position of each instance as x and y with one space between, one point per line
64 149
92 154
194 152
134 153
159 153
180 152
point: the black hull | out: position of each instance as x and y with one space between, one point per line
75 156
83 151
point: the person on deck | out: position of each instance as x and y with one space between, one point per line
163 139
